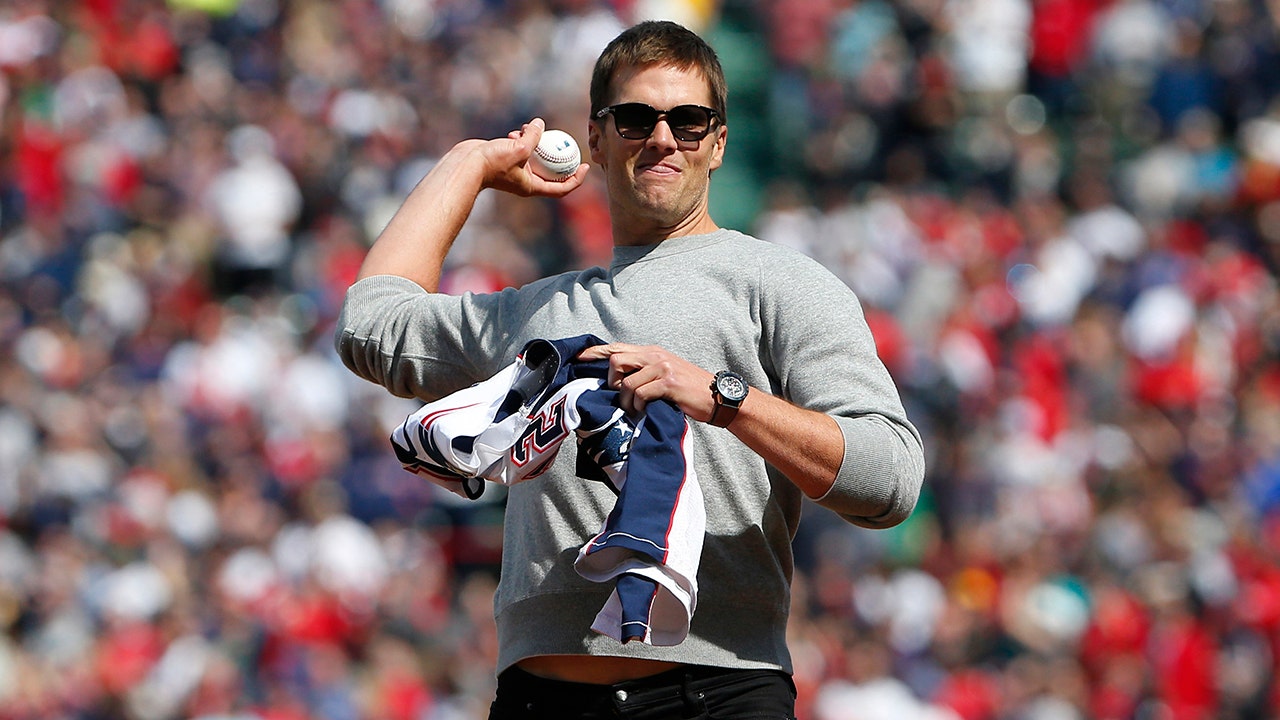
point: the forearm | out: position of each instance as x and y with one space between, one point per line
868 468
805 446
417 239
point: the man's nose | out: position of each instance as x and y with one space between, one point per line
662 136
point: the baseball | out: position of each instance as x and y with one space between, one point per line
557 156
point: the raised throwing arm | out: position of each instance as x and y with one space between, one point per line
418 237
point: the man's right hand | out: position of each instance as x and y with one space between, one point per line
507 168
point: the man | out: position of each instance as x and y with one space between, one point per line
682 300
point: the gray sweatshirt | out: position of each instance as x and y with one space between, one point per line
723 300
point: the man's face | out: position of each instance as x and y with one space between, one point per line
659 184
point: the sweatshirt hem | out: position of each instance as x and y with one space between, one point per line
524 631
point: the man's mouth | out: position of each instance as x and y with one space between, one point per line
658 168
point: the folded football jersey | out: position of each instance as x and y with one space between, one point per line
509 428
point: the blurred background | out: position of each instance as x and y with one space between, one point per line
1062 217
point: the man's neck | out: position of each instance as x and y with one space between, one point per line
625 234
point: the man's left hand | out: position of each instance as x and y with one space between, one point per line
644 373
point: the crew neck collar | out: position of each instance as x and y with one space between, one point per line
628 254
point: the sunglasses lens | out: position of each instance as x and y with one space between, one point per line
689 122
635 121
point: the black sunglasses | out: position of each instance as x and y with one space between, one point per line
636 121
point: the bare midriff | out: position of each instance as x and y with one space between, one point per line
595 669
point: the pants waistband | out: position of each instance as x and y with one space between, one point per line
691 691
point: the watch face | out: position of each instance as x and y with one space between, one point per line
731 387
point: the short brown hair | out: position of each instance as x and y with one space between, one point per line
657 42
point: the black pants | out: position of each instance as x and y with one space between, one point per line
706 693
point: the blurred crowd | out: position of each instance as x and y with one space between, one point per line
1062 217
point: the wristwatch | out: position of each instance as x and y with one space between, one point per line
728 390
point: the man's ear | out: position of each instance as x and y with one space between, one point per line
717 152
593 144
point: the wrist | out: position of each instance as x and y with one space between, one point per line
728 391
472 166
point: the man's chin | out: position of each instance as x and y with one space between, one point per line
658 197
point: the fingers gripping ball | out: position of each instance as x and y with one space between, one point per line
557 156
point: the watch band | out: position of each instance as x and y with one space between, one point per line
721 414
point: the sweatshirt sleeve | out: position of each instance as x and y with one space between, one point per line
825 359
414 343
